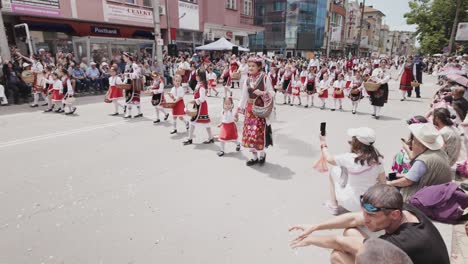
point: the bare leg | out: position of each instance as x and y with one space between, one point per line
339 257
333 200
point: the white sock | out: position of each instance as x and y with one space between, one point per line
255 155
377 113
36 98
222 145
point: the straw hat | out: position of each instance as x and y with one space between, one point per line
428 135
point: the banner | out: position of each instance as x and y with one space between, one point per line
188 16
33 7
132 14
462 32
336 34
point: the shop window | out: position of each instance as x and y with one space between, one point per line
247 7
231 4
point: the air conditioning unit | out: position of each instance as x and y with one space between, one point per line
162 10
210 36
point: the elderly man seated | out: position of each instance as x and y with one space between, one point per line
93 77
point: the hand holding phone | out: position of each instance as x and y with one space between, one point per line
392 176
323 127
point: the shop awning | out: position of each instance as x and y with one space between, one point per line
220 44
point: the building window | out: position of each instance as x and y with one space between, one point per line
279 6
125 1
190 1
147 3
231 4
247 8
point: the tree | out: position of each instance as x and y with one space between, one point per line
434 20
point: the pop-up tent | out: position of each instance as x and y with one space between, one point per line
220 44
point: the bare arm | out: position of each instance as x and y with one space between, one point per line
349 245
402 182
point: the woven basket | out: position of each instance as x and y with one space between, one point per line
168 104
27 77
124 86
355 91
107 100
263 111
236 76
339 92
180 72
371 86
414 84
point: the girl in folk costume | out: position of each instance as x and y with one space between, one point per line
296 88
380 75
228 128
211 81
37 85
356 91
406 78
56 89
273 76
226 84
323 90
310 87
233 68
257 132
338 91
157 88
192 81
132 96
244 71
178 111
47 82
304 75
202 119
68 93
348 78
286 80
114 94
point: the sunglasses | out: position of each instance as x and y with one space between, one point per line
372 209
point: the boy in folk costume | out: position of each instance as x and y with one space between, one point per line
310 87
178 111
56 89
211 81
338 92
114 94
37 85
202 118
132 97
356 91
323 87
68 93
286 80
296 88
228 128
157 88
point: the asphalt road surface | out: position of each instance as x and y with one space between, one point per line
93 188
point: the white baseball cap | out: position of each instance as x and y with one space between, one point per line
26 65
364 135
428 135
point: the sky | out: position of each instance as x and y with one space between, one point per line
394 11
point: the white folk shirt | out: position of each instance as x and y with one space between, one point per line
178 92
114 80
227 117
136 74
211 76
324 85
57 85
339 84
382 76
69 87
157 87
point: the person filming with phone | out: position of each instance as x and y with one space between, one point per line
353 172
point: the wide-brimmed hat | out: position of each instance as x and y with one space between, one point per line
428 135
92 63
364 135
104 64
126 54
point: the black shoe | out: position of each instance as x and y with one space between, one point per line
156 121
402 100
114 114
58 110
139 115
418 96
306 106
238 147
220 153
173 131
262 160
251 162
333 109
44 104
187 142
34 105
73 111
284 103
291 104
299 104
125 109
377 117
129 116
354 112
48 110
373 115
209 141
166 117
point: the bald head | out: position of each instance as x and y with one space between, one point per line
379 251
458 92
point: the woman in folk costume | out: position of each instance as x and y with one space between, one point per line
323 87
132 96
338 91
192 81
157 89
406 78
296 88
228 128
244 71
211 81
56 89
114 94
257 132
380 75
286 80
68 93
202 119
310 86
356 91
178 111
37 69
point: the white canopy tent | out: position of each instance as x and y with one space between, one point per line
220 44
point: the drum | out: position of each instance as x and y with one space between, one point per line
27 76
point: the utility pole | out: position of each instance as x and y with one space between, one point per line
168 23
4 50
330 30
157 31
454 27
358 44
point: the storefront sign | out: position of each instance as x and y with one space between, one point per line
189 17
105 31
125 13
35 7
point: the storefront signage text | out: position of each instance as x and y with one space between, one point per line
105 31
125 13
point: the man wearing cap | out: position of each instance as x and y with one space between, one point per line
431 165
382 210
93 76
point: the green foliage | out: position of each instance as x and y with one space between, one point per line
434 21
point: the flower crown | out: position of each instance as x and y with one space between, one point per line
256 59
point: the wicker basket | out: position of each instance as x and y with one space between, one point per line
338 92
236 76
355 91
124 86
263 111
180 72
107 100
371 86
168 104
415 84
27 76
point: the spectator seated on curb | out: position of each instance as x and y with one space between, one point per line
450 134
382 209
80 78
459 101
353 172
93 77
430 167
376 250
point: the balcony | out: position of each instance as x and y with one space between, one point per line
247 20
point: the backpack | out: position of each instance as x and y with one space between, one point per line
438 202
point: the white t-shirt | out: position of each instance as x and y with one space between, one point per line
360 178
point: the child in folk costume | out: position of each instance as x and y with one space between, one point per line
157 88
338 91
211 81
47 82
380 75
202 118
226 83
310 87
303 75
37 85
132 96
296 88
56 89
114 94
68 93
323 90
178 111
355 93
193 77
286 80
228 128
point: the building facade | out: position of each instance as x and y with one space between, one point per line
373 18
401 43
291 26
334 43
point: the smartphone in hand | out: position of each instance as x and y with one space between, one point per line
323 127
392 176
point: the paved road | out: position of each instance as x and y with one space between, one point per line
97 189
